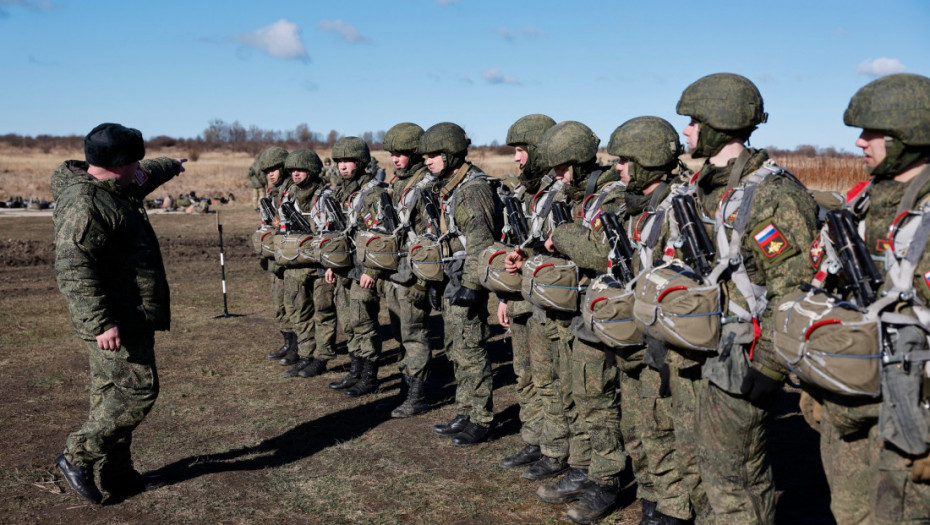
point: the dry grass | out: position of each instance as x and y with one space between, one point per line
26 172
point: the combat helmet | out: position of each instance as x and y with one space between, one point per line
306 160
355 149
403 138
899 106
525 133
447 139
652 146
272 158
567 142
727 103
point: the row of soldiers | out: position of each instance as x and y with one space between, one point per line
654 314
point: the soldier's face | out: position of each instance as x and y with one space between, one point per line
346 167
299 175
520 156
563 172
273 175
691 133
400 160
434 162
872 143
623 169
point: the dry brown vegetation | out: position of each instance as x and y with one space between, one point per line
25 171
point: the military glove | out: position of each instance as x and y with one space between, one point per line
417 293
263 262
758 387
464 296
920 469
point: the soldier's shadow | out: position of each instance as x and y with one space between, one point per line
301 441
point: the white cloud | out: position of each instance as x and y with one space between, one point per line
280 40
349 33
446 2
494 76
880 67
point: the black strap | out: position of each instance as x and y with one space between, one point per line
592 183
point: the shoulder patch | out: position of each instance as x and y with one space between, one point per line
927 279
816 252
770 240
141 177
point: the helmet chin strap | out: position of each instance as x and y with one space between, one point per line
898 156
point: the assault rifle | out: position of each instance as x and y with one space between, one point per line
561 213
268 211
432 210
862 277
335 219
388 213
516 220
295 219
697 248
621 261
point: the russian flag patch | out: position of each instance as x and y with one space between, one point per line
771 241
927 279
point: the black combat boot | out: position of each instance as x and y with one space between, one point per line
315 368
452 427
290 357
545 468
416 400
529 454
279 353
301 363
368 382
658 518
570 487
355 372
649 510
471 433
80 478
594 504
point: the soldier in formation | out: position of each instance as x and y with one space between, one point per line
651 321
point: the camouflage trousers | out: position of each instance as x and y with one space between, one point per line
408 323
466 332
123 388
557 415
277 301
646 421
683 383
595 388
308 304
869 480
732 456
531 407
358 310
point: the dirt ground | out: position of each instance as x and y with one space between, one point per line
240 443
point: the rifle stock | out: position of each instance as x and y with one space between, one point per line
621 250
862 276
697 248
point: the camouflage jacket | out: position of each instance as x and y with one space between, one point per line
401 185
256 177
583 240
361 199
107 259
474 212
781 227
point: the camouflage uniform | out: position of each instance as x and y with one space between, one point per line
872 477
258 182
110 270
525 133
358 307
308 298
731 427
476 216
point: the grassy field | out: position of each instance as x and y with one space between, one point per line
240 443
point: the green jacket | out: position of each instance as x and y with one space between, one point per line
107 259
477 219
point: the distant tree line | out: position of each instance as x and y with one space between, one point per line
233 136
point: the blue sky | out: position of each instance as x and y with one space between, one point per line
170 67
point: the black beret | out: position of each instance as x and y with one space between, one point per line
113 145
